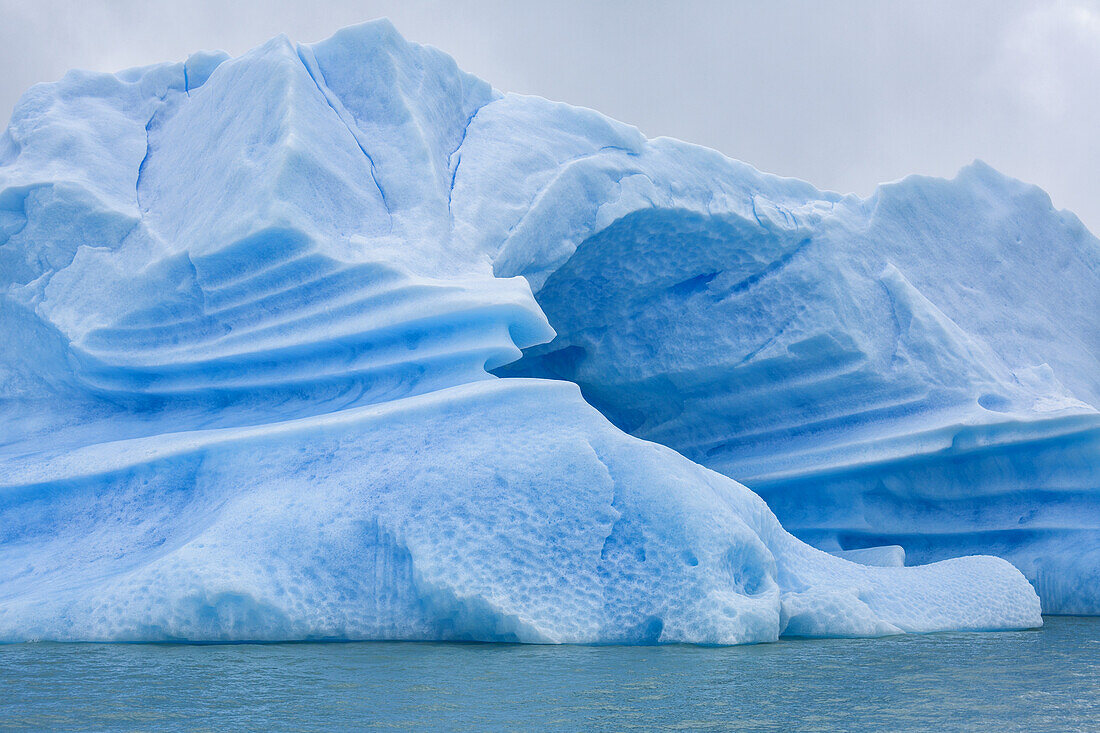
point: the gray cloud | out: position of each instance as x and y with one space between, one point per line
844 95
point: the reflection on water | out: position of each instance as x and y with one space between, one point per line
1026 681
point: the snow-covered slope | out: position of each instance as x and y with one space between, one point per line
251 307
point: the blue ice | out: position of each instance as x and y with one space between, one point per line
335 341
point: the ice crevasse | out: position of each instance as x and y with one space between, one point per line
335 341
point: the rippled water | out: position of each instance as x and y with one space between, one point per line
1027 681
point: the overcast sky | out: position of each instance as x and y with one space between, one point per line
842 94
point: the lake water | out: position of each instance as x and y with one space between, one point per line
1046 680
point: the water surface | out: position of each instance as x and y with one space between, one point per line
1046 680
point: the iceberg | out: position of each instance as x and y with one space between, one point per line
336 341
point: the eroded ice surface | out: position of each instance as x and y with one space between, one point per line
502 510
251 307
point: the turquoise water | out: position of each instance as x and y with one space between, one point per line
1026 681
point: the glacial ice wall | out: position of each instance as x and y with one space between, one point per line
253 307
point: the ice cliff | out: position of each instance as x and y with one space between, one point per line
263 379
